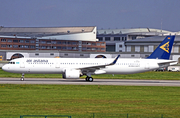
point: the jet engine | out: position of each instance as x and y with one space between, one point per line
71 74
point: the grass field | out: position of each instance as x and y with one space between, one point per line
82 100
147 75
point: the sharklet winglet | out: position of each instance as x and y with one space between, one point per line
115 60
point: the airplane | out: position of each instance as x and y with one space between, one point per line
73 68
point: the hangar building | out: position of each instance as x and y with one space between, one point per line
116 37
50 38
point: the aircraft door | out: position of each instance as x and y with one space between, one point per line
57 65
22 64
147 66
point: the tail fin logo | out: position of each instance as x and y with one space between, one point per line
165 47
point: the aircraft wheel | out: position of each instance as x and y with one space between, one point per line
87 78
22 79
90 79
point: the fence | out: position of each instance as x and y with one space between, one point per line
104 115
45 116
95 115
36 116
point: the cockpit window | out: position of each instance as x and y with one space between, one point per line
11 62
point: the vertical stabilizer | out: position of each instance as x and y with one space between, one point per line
163 51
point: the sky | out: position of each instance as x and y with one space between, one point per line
105 14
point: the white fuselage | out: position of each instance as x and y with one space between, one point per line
58 65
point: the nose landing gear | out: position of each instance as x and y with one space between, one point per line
22 77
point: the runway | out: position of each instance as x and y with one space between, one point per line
122 82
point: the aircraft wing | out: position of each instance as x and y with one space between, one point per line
92 69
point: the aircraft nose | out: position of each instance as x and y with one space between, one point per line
5 68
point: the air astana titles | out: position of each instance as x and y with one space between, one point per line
37 61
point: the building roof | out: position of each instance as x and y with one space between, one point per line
134 31
42 31
151 40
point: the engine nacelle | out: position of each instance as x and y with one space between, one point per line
71 74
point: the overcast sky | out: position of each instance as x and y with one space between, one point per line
101 13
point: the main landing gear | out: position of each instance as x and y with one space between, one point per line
22 77
90 79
